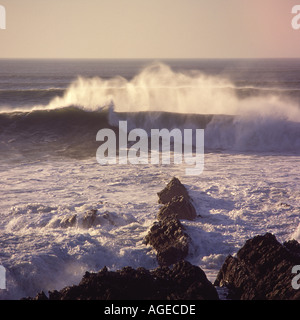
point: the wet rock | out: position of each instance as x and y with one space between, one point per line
68 221
174 188
93 218
167 236
178 207
293 246
184 281
89 219
261 270
41 296
169 239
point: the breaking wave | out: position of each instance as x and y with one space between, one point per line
156 98
71 126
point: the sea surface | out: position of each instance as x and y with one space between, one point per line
50 113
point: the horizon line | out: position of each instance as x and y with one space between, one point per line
204 58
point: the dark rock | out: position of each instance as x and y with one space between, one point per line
167 236
293 246
169 240
261 270
184 281
39 296
174 188
178 207
191 283
55 295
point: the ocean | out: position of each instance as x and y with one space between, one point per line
50 113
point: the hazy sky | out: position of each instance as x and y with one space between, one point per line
149 29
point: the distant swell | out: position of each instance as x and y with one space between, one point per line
20 97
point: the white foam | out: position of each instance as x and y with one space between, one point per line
238 196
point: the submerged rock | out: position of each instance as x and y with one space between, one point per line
89 219
68 221
262 269
182 282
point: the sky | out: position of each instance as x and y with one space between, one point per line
151 29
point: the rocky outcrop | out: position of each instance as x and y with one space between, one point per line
178 207
167 236
169 239
89 219
262 269
174 188
183 282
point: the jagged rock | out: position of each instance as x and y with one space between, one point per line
41 296
293 246
68 221
178 207
261 270
174 188
169 240
167 236
183 282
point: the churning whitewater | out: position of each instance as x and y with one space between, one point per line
49 171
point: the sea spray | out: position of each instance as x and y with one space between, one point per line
261 123
155 88
159 88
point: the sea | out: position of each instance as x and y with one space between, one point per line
50 113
